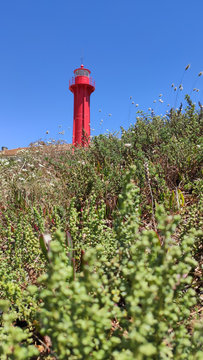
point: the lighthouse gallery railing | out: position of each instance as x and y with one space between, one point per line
91 81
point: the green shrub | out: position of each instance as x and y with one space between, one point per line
134 265
14 342
145 287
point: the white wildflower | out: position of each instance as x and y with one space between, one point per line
40 165
5 161
21 179
160 100
149 109
110 114
47 238
136 105
128 145
47 132
181 87
133 102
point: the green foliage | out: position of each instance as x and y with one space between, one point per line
120 277
76 313
149 280
14 342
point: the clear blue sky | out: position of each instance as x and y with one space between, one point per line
134 48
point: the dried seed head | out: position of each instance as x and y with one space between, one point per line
187 67
200 73
147 170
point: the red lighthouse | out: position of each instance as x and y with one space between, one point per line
81 85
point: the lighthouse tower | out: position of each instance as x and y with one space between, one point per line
81 85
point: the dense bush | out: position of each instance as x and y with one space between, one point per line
90 259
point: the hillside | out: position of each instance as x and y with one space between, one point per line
101 248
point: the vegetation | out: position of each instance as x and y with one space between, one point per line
101 248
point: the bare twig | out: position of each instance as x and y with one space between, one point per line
151 193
